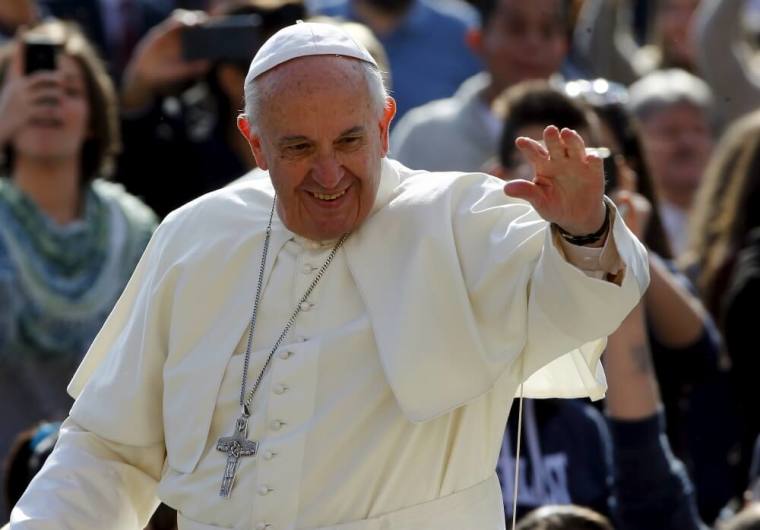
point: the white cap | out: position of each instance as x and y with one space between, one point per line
303 39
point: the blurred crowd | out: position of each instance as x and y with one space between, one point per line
136 116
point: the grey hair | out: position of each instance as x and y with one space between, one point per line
664 88
375 83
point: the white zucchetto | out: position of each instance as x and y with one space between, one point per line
304 39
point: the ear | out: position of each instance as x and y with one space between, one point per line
474 40
385 124
254 140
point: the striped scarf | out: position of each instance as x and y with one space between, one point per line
58 283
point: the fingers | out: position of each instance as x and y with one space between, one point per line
16 67
574 145
596 163
532 150
523 189
554 144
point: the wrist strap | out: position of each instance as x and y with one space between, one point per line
587 239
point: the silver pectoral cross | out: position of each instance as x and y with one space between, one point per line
236 446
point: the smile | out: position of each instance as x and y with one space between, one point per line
323 197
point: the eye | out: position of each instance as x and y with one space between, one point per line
73 91
349 142
297 148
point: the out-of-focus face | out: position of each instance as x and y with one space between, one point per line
58 132
524 39
322 139
677 142
675 21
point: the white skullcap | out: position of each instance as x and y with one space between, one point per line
303 39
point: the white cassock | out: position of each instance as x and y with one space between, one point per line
384 409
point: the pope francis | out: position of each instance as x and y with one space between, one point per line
337 346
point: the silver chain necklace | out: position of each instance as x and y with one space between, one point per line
238 445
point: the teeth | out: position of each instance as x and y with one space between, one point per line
323 197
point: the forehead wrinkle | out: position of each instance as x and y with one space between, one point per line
312 74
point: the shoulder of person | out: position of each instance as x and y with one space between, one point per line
241 207
419 186
456 11
328 7
135 210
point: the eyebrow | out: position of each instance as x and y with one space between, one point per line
298 138
353 130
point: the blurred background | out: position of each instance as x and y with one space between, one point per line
113 113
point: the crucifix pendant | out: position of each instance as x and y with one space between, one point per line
236 447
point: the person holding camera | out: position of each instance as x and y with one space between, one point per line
181 93
69 240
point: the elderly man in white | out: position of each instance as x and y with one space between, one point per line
338 346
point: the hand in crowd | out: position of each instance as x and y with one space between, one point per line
568 184
157 64
635 210
15 13
26 97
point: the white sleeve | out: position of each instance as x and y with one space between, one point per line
105 467
89 483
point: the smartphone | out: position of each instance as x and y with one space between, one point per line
232 38
39 54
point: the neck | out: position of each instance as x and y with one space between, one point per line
379 21
492 91
53 185
681 199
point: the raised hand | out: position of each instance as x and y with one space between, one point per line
23 98
568 185
157 64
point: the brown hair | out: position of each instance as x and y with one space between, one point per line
103 143
725 208
568 517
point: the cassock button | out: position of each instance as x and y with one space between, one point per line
284 354
308 268
305 306
263 490
263 526
268 455
276 425
280 389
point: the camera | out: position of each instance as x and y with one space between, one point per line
232 38
40 53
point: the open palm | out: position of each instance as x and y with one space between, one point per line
568 185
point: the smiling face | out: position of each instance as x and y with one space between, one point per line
321 136
58 131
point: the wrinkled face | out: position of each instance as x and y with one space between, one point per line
677 142
322 139
57 130
675 21
524 40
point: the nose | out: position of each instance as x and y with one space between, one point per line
327 171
